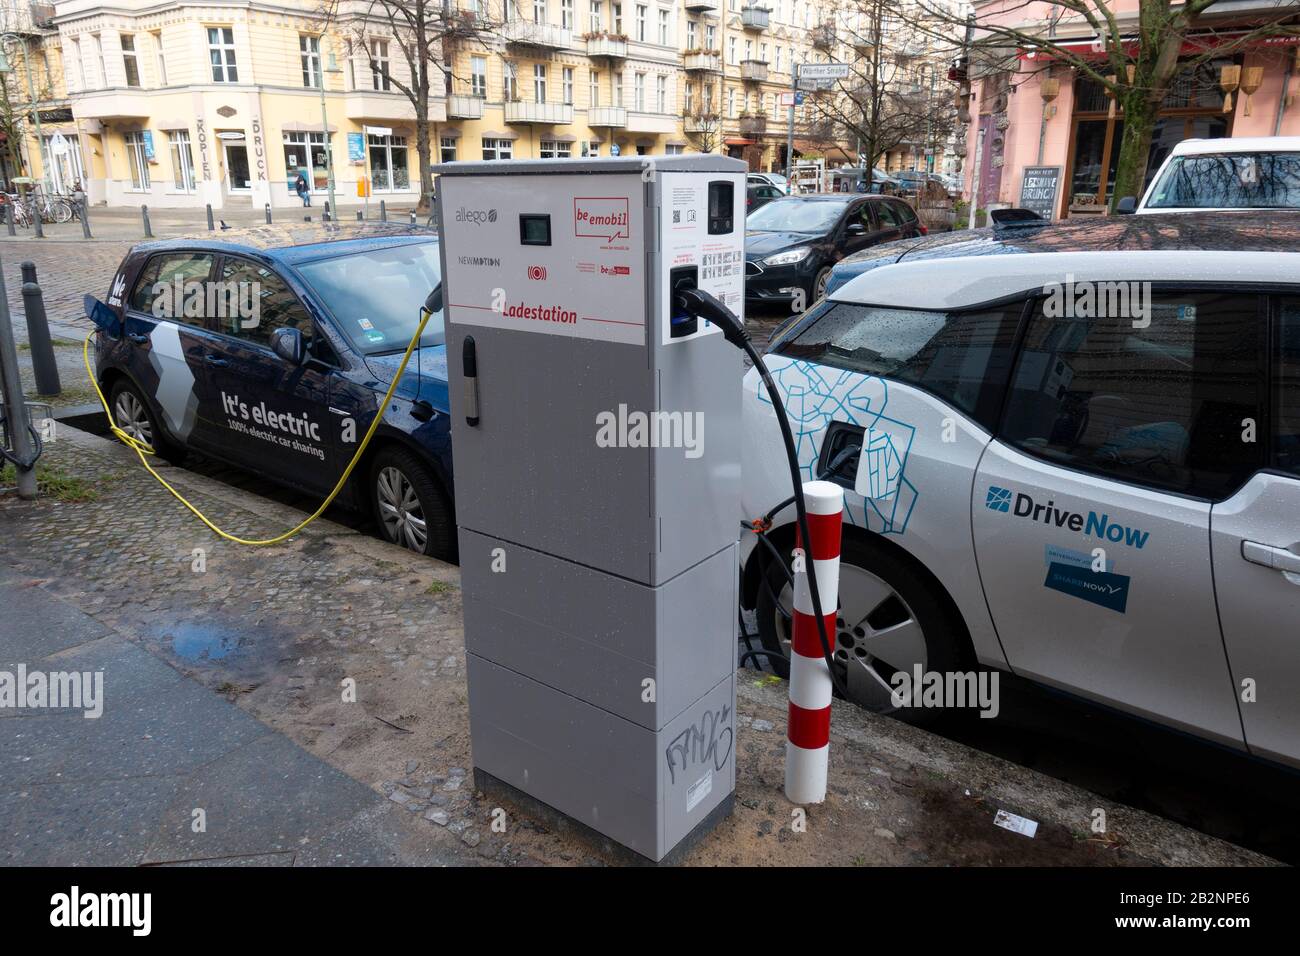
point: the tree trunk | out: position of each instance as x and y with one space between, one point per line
1140 111
422 157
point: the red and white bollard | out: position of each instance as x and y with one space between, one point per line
808 730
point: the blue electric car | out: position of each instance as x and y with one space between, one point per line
271 349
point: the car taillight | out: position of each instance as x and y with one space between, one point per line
924 231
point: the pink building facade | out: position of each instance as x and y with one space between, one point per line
1075 130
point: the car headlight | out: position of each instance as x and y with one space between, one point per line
789 257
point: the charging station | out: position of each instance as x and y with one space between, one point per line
596 431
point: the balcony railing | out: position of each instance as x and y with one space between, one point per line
709 61
700 122
520 111
753 125
755 18
536 34
702 6
464 106
823 37
753 71
607 46
614 117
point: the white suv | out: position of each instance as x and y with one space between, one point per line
1072 453
1251 172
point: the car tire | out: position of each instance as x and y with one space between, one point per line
134 415
819 284
902 604
409 505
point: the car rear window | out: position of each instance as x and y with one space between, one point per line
961 357
1229 180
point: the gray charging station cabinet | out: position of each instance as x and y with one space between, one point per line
597 471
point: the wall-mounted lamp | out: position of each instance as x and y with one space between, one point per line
1229 80
1251 80
1049 90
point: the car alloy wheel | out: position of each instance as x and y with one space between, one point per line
400 510
876 635
820 283
131 416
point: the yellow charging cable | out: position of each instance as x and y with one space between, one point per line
141 449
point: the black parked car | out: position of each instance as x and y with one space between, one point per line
791 244
760 195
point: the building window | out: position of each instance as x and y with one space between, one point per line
65 167
137 157
778 59
673 150
590 149
638 92
618 88
160 59
510 80
478 75
663 28
388 163
182 160
221 51
731 50
689 100
566 14
661 94
593 87
710 37
617 18
309 53
567 75
379 77
129 62
447 149
305 152
596 16
99 60
731 101
552 149
539 11
640 22
539 82
692 31
498 149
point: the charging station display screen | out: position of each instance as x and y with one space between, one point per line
535 230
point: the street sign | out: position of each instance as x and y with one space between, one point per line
379 131
823 71
791 99
59 145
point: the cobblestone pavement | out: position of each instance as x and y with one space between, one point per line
284 632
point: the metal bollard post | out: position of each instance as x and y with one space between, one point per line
412 217
268 214
327 215
9 217
383 211
210 226
144 215
15 405
38 334
360 218
85 217
37 223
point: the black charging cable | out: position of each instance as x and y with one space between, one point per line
702 304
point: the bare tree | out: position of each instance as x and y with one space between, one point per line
1137 63
427 33
895 93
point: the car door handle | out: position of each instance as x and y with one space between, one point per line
215 361
140 338
1266 555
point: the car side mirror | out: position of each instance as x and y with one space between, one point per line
1127 206
857 229
288 344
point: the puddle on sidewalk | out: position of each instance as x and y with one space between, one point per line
201 642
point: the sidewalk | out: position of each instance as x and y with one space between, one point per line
225 686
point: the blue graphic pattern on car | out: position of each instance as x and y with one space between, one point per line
999 499
816 395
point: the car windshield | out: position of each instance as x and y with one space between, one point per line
375 296
1229 180
795 215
